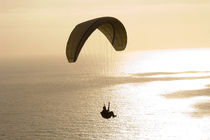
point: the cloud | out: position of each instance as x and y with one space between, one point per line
202 109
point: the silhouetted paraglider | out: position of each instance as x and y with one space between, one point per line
106 113
114 31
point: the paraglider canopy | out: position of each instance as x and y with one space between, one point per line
111 27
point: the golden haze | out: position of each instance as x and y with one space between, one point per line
43 27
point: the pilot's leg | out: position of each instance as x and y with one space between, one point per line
112 114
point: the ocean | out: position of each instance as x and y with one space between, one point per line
156 95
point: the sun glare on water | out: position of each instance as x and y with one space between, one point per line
164 94
161 94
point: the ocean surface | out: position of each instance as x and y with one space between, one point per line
157 95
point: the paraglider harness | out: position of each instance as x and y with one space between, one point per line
106 113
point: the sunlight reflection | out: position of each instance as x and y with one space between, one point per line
144 106
167 61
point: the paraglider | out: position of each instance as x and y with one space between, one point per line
114 31
106 113
111 27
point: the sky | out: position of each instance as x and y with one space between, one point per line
43 26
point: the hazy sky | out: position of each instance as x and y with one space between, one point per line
43 26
